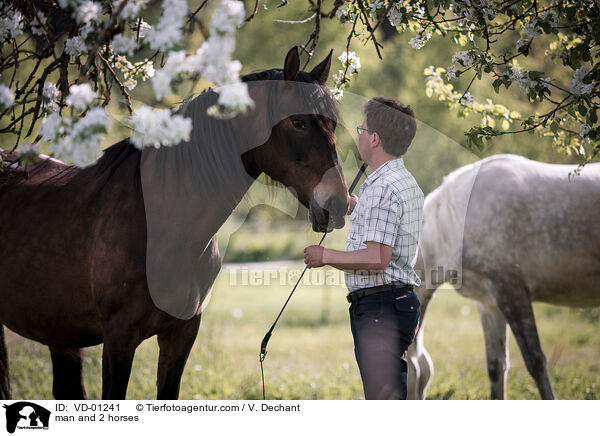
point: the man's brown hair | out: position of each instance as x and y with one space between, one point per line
394 123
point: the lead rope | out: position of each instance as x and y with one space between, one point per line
265 341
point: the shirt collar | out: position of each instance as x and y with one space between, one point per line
390 165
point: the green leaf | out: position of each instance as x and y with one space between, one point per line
582 109
554 126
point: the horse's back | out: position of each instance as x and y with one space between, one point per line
528 223
45 251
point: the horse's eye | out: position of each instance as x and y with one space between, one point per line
299 124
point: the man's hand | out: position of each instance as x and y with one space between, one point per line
352 204
313 256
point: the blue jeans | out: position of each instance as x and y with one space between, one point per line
383 326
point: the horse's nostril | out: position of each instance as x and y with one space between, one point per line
335 206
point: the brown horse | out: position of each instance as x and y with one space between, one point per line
75 244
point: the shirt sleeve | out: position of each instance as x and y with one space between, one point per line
383 211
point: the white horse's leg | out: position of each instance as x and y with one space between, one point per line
420 369
495 331
420 365
515 305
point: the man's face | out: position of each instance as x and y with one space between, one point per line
364 139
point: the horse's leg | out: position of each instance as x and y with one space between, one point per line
120 342
420 369
67 369
495 331
420 365
175 345
515 305
4 380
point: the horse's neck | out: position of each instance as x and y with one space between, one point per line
190 190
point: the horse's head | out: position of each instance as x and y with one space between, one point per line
301 149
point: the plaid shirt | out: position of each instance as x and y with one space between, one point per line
389 211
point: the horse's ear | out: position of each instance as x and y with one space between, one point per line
292 64
321 71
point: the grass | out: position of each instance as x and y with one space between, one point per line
310 355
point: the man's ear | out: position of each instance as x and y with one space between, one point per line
320 73
376 140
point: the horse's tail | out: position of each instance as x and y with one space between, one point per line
4 382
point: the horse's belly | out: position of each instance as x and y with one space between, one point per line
573 292
47 310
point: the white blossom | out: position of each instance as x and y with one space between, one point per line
489 13
161 82
235 96
350 64
168 31
420 11
123 44
228 17
349 59
584 129
531 29
420 40
147 69
451 72
466 99
28 149
342 12
142 27
80 96
212 59
521 43
132 9
50 94
337 93
578 87
11 23
464 57
79 142
75 46
52 126
525 82
38 23
374 6
7 96
88 28
87 12
156 127
395 15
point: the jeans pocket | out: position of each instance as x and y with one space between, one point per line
408 304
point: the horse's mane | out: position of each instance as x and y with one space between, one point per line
116 154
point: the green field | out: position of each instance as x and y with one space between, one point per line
311 356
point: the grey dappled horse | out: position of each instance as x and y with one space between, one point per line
515 231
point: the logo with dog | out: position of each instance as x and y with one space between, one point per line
26 416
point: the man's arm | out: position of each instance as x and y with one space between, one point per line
373 259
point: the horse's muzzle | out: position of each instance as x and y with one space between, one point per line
331 216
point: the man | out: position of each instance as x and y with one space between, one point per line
381 251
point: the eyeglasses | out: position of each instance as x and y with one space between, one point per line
360 130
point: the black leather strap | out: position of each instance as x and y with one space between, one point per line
354 296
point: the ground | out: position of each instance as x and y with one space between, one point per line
310 355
